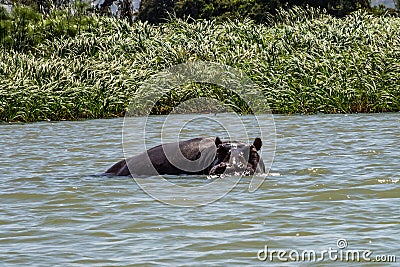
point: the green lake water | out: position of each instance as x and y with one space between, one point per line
334 177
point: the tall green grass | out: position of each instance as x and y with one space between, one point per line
305 61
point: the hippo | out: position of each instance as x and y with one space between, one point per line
198 156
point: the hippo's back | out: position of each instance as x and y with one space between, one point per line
192 156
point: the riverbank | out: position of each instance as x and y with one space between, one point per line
306 62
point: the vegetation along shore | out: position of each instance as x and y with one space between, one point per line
64 67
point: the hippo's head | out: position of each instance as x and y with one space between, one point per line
237 158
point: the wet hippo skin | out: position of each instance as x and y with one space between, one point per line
208 156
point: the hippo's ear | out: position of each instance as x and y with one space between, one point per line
257 143
217 141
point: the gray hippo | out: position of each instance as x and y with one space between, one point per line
204 156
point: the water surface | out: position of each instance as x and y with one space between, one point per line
333 177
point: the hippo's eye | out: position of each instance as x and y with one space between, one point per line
222 150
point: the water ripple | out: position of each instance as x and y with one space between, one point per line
333 176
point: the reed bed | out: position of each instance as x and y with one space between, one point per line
305 61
